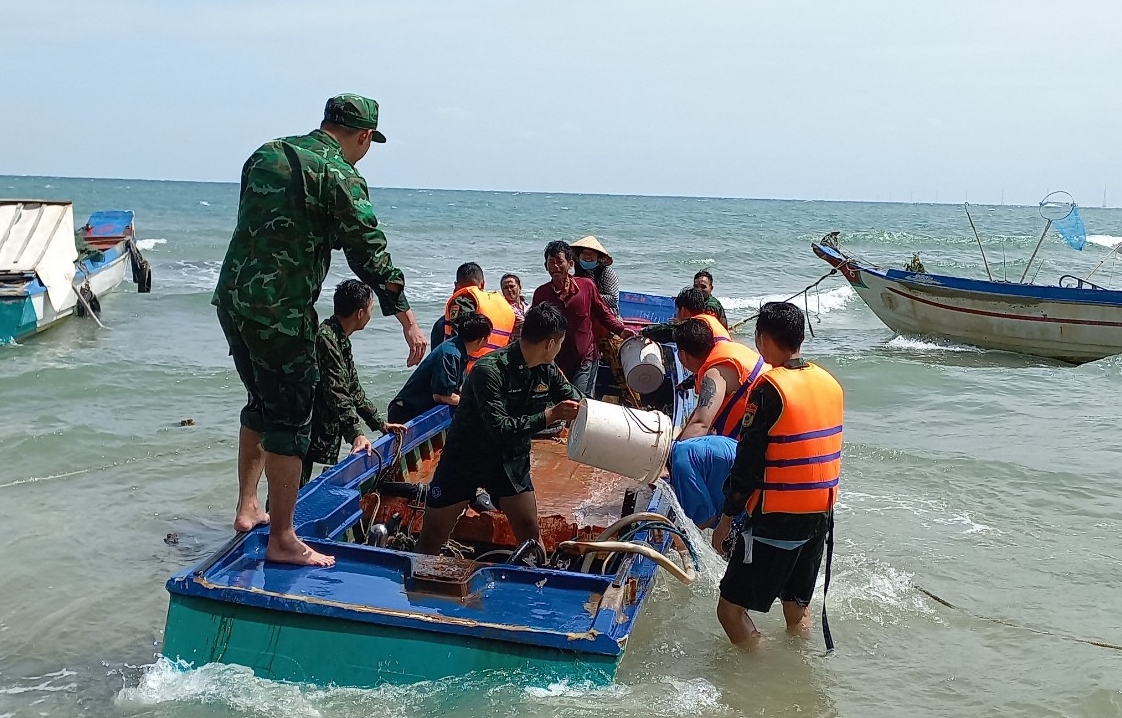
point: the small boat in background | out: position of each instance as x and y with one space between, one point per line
44 277
1075 321
560 610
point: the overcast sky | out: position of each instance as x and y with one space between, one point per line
861 100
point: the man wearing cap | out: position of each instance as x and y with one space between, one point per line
300 198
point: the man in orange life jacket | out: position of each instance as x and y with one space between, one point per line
783 485
689 304
724 374
470 297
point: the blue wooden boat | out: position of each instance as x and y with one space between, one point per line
45 279
385 614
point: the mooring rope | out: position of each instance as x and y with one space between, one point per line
1012 624
804 292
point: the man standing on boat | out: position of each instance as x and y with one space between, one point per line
579 300
703 280
300 198
340 405
780 495
724 372
512 394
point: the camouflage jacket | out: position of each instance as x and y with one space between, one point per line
299 200
713 306
340 403
502 405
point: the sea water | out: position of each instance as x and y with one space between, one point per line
989 479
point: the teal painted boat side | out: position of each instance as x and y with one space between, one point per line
286 646
17 319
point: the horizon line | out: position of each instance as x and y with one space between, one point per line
567 193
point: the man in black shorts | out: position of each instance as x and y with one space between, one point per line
510 395
780 494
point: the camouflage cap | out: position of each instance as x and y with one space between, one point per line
354 111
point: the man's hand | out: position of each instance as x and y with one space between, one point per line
397 429
565 411
627 333
361 444
721 533
414 337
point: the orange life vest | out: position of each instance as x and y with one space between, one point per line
802 463
720 333
492 305
749 367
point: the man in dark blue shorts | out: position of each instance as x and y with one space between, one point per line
781 492
510 395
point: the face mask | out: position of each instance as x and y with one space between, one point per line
588 265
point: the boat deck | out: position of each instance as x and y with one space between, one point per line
573 500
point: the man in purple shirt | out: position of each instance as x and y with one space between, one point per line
581 304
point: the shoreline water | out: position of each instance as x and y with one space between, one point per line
987 478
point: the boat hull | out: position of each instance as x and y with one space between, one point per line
303 648
385 614
1069 325
29 311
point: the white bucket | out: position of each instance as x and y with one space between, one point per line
622 440
642 364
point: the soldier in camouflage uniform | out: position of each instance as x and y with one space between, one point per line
300 198
340 403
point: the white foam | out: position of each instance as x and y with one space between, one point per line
231 685
821 302
149 244
711 564
1104 240
666 696
204 203
930 345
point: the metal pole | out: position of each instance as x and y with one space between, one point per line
1042 236
984 261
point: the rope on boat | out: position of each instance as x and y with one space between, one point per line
805 293
684 573
1011 624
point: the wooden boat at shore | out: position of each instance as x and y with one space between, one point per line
1076 322
384 613
43 277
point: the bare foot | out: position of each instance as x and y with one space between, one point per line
299 554
250 517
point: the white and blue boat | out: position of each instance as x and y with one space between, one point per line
44 278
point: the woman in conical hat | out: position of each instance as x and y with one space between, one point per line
594 262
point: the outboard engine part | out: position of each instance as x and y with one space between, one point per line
377 536
394 524
528 553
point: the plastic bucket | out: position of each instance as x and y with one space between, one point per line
642 364
625 441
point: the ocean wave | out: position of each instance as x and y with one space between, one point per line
204 203
149 244
930 345
237 688
1104 240
819 302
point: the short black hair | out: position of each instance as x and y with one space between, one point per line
690 299
543 321
469 272
784 323
694 337
350 296
471 326
510 276
557 247
704 273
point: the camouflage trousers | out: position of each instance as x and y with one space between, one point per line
279 372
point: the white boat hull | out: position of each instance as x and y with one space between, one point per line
1067 324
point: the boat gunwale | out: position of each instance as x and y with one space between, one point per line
964 286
